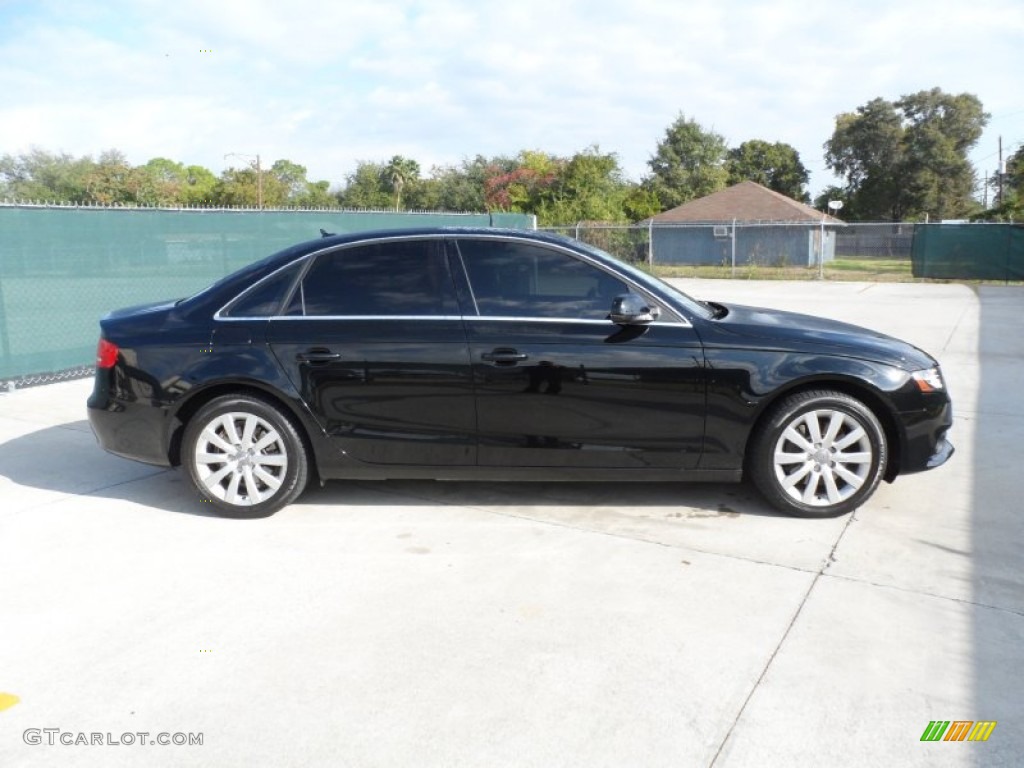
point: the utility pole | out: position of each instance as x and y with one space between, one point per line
259 183
259 176
1002 172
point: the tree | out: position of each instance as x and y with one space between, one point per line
113 180
198 187
1014 177
688 163
160 182
1010 206
525 187
776 166
907 159
399 172
316 195
461 188
365 187
41 175
640 203
828 194
298 190
250 188
292 178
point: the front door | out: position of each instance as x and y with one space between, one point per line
557 383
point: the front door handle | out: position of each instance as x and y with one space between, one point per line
504 356
317 356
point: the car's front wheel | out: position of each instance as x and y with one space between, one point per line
245 456
818 454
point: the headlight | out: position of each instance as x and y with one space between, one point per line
929 380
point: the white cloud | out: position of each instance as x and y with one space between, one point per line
326 85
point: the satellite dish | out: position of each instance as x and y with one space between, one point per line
835 205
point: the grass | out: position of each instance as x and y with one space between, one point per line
878 270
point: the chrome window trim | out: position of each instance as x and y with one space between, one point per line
588 321
449 318
679 319
364 318
309 257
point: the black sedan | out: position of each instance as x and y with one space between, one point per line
489 354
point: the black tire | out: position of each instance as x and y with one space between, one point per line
819 453
264 465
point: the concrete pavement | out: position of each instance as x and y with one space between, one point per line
428 624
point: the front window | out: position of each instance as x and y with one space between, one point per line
516 279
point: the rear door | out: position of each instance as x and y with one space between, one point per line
557 383
373 341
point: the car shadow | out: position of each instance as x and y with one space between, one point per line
65 459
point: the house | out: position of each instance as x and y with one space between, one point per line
743 224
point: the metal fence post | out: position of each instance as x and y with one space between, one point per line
733 274
5 340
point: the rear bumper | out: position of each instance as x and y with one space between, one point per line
128 429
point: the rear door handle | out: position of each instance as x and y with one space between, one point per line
504 356
317 356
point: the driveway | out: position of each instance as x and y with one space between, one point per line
491 624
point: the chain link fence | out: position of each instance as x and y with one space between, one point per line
740 245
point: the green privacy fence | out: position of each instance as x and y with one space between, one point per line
62 268
968 251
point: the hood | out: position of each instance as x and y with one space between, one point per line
772 328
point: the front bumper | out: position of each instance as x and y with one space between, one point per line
925 445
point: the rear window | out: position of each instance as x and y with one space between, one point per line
393 278
266 297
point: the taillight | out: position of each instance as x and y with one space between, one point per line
106 354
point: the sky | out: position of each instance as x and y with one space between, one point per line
329 84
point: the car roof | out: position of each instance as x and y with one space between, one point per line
233 282
348 237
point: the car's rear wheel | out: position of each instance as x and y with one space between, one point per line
818 454
245 456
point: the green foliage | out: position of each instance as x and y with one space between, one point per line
688 163
1011 206
831 193
776 166
41 175
245 187
317 194
161 182
1014 177
399 172
198 187
907 159
640 203
461 188
112 180
589 186
365 188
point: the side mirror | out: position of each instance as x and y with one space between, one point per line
630 309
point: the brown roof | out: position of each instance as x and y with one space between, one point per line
746 201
